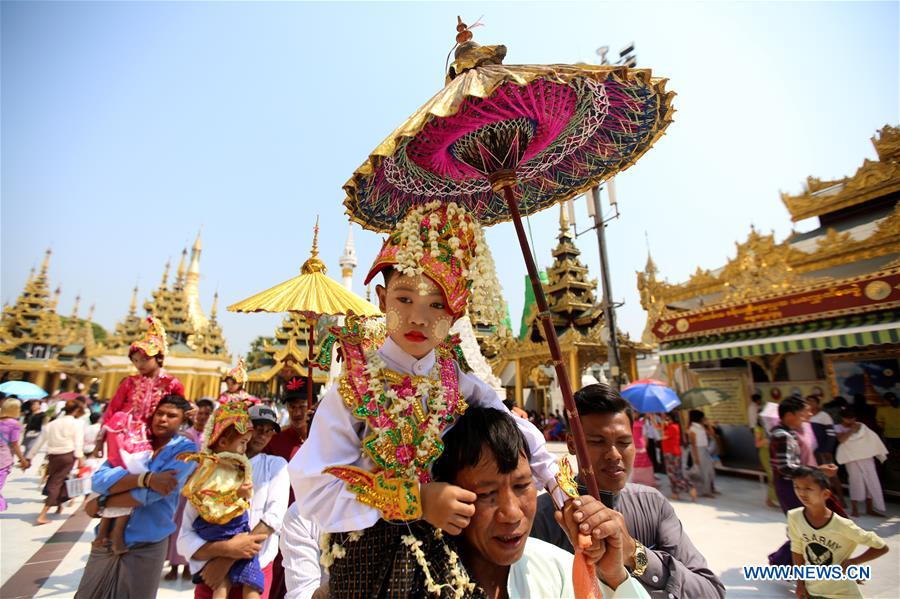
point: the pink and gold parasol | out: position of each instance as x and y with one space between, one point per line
506 140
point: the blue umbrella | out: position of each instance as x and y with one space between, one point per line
649 396
22 390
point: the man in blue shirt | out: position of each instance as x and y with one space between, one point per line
154 497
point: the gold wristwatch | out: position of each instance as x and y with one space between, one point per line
640 559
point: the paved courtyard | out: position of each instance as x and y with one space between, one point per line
733 530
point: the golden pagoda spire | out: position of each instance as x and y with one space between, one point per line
90 314
192 286
563 218
56 295
650 268
30 277
74 316
179 274
165 278
133 308
46 264
313 264
215 306
194 268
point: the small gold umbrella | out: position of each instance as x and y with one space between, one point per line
311 294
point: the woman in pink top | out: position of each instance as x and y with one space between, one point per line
10 432
642 472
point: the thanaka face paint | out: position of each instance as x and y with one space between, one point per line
415 321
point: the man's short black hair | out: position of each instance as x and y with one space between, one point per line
477 430
206 402
176 400
817 476
791 405
696 416
600 398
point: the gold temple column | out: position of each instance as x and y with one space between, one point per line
574 371
40 379
519 401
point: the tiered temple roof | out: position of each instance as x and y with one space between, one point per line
129 329
858 234
287 356
577 317
570 294
198 355
31 328
177 305
38 345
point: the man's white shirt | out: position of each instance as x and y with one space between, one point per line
300 555
545 570
271 490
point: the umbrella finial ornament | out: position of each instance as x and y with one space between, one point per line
313 264
469 54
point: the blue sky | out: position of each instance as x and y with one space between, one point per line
126 126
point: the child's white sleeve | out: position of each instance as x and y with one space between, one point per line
543 464
334 440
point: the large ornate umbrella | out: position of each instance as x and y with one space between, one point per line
311 294
510 140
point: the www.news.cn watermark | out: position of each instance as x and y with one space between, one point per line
807 572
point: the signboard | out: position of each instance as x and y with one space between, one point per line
878 291
733 383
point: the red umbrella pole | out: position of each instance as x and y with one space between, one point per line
585 469
309 363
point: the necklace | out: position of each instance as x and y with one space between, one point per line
405 413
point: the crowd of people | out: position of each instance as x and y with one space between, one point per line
410 479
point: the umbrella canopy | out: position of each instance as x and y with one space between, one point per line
23 390
313 293
649 396
702 396
569 127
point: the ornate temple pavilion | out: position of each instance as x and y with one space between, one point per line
818 312
578 319
197 352
40 346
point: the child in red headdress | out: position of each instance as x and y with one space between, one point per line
366 465
125 421
235 379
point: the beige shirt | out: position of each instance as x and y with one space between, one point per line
63 435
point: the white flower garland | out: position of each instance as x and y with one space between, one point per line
429 387
481 271
330 552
